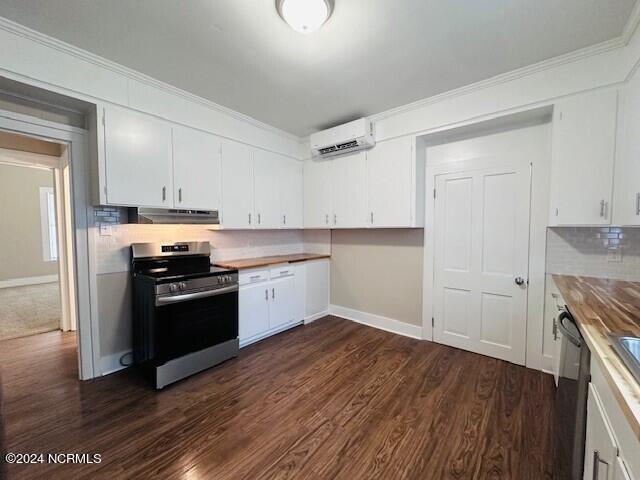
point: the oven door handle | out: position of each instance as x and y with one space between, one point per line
570 336
160 301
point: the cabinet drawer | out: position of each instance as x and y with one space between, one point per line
284 270
246 277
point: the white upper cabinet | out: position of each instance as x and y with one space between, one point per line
583 148
317 196
267 168
626 205
348 181
291 194
237 185
138 161
196 169
395 181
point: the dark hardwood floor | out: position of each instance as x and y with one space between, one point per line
333 399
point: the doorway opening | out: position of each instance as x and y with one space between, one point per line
37 284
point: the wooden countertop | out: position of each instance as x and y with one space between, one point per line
244 263
601 306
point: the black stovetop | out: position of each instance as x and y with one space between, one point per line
171 269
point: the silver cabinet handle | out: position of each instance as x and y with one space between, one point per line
554 330
180 194
602 204
335 219
249 219
258 219
254 277
519 281
266 294
596 463
284 219
372 217
326 218
273 293
169 299
164 193
638 203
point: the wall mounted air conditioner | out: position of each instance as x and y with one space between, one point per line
346 138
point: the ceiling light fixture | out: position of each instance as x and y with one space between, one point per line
305 16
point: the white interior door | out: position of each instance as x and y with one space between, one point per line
481 255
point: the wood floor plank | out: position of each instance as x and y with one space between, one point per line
333 399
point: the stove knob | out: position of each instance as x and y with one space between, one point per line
228 278
173 288
183 286
220 279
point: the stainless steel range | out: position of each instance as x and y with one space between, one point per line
185 312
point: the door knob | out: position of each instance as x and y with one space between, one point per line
519 281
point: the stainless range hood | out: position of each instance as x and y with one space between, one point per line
173 216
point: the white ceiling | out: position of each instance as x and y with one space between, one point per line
372 55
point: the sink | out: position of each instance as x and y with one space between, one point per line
628 348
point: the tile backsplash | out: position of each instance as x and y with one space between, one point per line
611 252
112 245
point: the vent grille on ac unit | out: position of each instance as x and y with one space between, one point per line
337 148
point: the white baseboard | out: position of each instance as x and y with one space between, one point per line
377 321
23 282
111 363
315 316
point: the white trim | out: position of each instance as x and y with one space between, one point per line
26 281
83 232
547 363
111 363
632 24
50 42
377 321
537 247
46 193
315 316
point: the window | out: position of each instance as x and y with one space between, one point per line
48 224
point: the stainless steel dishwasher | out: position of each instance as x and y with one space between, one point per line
571 399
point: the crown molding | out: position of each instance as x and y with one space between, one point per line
631 26
567 58
59 45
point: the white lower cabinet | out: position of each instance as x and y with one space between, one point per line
611 446
600 450
267 303
282 306
253 310
316 298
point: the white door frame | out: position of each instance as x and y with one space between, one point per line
538 220
82 240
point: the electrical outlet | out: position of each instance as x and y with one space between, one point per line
105 230
614 255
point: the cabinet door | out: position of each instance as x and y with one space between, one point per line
348 186
196 169
253 310
583 146
317 200
267 168
626 205
291 195
389 173
237 185
600 451
282 308
138 160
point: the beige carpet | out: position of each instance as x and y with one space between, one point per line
29 310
